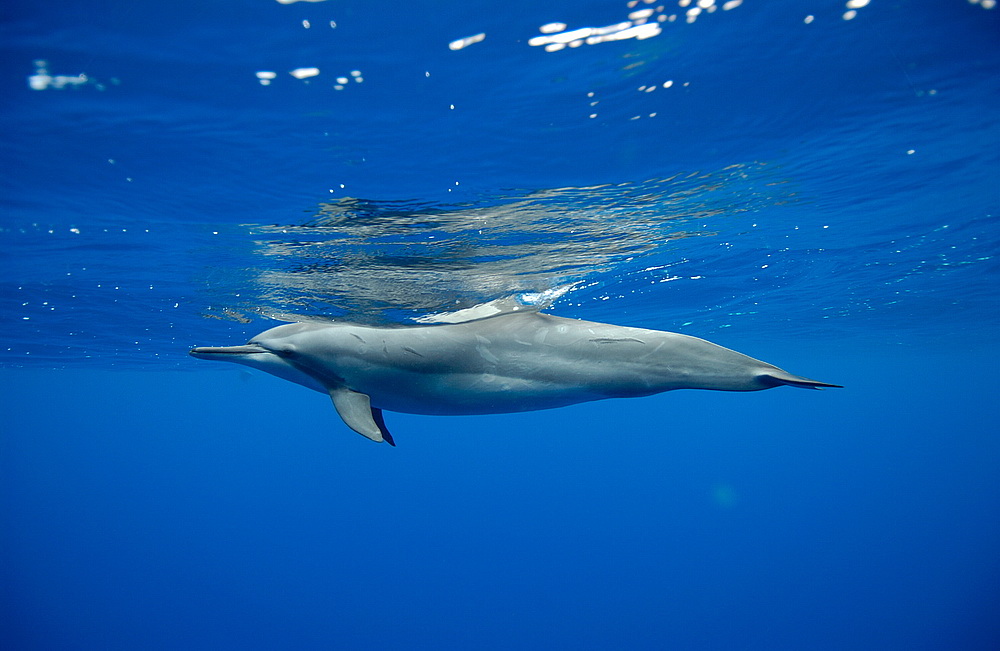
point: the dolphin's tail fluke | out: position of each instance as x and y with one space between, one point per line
777 378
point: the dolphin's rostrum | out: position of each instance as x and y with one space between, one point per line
517 361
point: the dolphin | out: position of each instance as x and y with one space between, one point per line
515 361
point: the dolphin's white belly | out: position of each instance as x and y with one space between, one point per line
467 393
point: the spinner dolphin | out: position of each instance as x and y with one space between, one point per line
516 361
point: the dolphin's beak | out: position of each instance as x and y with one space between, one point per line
222 352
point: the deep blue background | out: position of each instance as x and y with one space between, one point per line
820 195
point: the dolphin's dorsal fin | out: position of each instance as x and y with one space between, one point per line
357 412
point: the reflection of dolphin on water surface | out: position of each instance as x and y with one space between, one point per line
517 361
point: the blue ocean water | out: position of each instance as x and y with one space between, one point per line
813 184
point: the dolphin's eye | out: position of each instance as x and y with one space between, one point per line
285 351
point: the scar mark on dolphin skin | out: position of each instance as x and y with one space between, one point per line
358 337
614 340
487 355
410 350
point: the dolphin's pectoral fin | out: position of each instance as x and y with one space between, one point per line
357 412
380 421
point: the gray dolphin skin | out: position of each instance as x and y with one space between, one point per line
519 361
